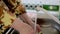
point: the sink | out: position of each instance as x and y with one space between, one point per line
50 27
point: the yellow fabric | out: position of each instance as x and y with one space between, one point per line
7 19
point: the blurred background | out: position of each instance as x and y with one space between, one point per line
48 25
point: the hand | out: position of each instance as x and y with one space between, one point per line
22 27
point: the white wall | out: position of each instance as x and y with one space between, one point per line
53 2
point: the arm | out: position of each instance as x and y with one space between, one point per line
26 18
